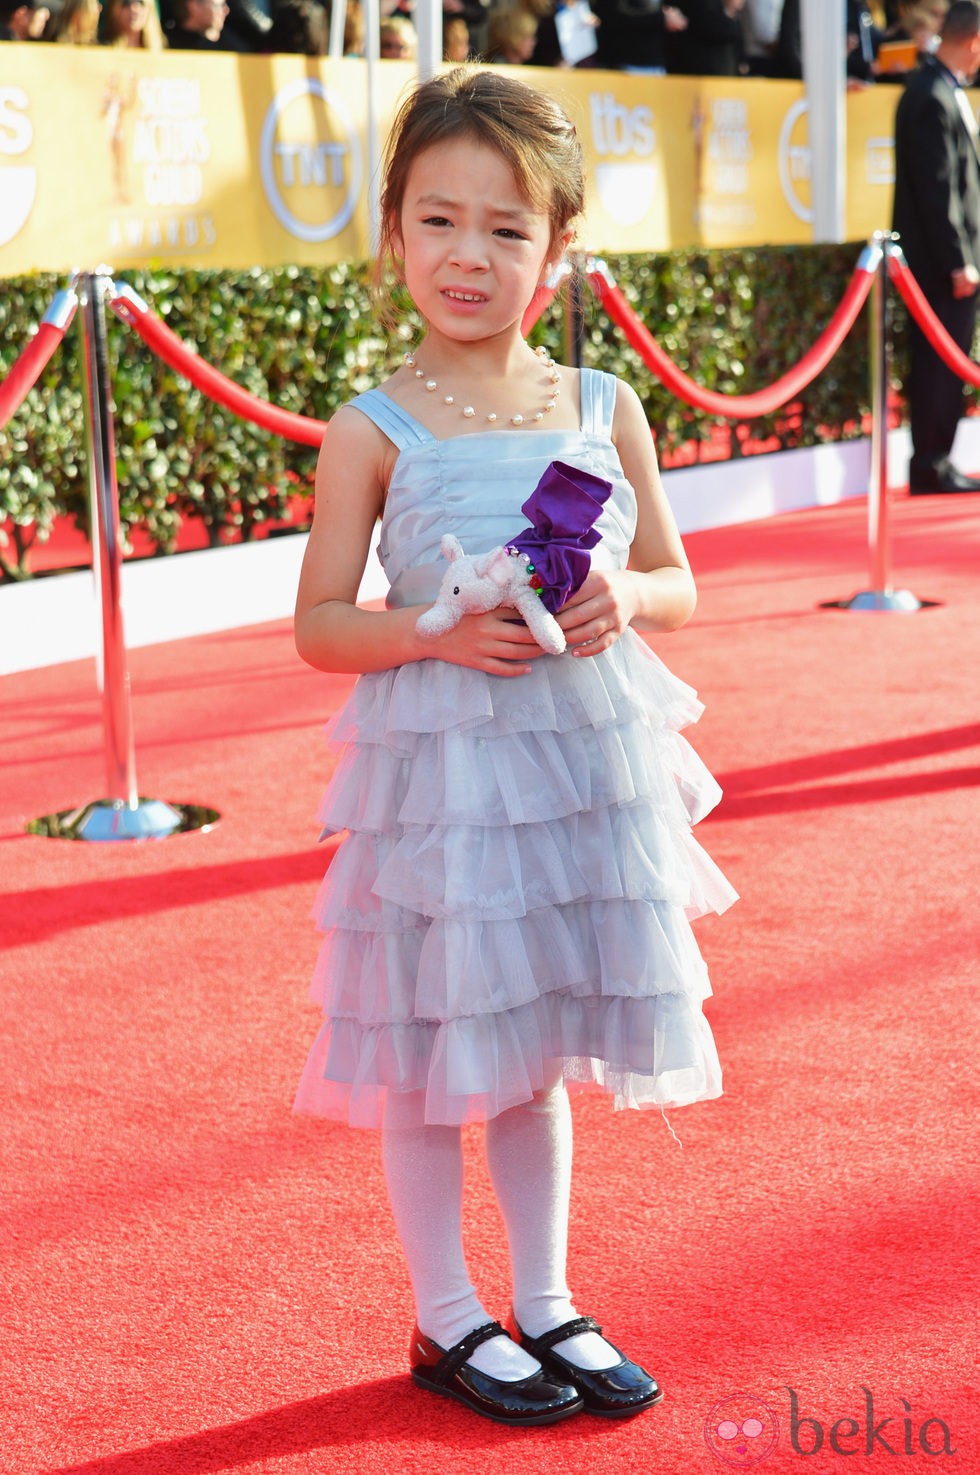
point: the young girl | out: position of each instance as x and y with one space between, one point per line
508 911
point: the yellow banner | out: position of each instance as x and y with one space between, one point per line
130 159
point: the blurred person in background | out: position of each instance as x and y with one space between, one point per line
217 25
353 29
198 25
131 23
397 40
863 35
300 27
474 13
76 24
549 50
918 24
455 39
247 26
710 45
404 8
511 35
863 40
760 35
22 20
632 34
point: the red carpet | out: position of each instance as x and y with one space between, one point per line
195 1281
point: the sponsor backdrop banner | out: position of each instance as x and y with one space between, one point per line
228 161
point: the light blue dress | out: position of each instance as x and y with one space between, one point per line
517 875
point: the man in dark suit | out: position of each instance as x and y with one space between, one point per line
631 33
710 45
937 216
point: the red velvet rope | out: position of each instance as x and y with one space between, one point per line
914 299
539 303
27 368
736 406
166 344
158 337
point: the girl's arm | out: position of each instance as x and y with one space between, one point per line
331 633
656 591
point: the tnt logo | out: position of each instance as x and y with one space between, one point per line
18 182
310 160
795 161
624 140
741 1430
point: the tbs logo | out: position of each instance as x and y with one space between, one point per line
626 175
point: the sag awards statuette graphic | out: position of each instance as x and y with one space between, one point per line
742 1431
159 145
724 140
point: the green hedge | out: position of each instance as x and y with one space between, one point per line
308 340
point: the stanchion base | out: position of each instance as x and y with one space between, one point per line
114 819
903 601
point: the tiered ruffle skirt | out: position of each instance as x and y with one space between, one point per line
515 887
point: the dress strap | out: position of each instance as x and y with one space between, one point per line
401 428
598 392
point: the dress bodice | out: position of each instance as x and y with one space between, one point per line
473 486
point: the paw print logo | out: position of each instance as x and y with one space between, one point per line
741 1430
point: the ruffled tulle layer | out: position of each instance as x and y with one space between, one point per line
516 886
643 1052
447 969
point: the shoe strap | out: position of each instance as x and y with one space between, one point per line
448 1365
547 1340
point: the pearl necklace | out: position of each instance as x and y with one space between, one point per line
469 412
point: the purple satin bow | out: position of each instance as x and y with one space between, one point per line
562 510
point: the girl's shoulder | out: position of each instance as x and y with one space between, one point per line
387 416
358 445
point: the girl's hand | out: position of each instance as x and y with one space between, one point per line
497 642
596 616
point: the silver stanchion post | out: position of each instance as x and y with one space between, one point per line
113 668
123 814
881 595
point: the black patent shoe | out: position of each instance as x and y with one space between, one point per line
539 1399
940 479
614 1392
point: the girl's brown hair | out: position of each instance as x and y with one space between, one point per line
527 127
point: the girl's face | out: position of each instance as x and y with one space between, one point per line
474 250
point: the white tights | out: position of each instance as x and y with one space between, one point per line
529 1154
